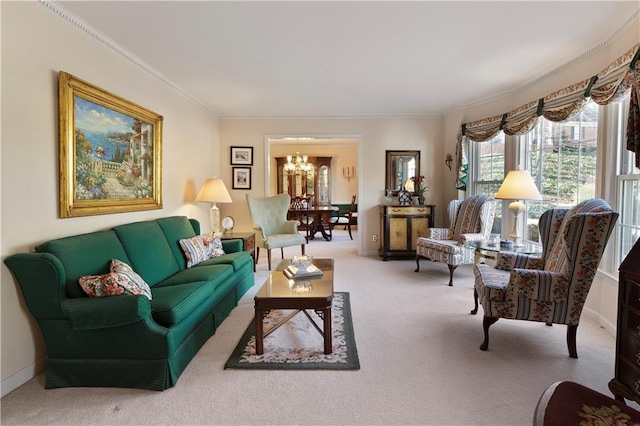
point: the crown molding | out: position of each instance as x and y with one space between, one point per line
59 10
633 17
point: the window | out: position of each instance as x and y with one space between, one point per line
489 160
562 160
627 184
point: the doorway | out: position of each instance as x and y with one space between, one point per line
336 160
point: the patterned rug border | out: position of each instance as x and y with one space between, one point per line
353 362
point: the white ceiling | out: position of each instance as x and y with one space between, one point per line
331 58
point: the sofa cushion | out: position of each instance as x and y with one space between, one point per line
237 260
215 274
85 254
121 280
176 228
194 250
172 304
148 249
213 245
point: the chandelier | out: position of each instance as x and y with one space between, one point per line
298 165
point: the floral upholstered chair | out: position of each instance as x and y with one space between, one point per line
474 219
551 288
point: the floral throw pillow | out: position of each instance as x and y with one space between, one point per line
121 280
213 246
194 250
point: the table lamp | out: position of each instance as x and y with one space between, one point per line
518 185
214 191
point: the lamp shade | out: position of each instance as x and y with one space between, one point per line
214 191
518 185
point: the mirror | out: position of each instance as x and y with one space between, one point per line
401 166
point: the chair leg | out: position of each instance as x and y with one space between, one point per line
269 258
281 252
257 254
349 227
451 269
572 330
303 246
486 323
475 302
417 263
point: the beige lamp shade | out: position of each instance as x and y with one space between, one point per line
214 191
518 185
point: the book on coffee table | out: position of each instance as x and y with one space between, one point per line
292 272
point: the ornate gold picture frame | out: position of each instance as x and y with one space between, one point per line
110 152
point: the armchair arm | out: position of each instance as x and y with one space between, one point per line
508 261
90 313
437 233
538 285
467 238
290 227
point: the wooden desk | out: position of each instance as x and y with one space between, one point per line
321 215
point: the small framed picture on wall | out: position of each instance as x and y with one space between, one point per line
242 156
242 178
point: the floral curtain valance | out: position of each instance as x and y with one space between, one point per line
608 85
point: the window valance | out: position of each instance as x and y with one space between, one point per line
607 86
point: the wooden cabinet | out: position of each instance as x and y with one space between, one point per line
626 383
400 226
316 185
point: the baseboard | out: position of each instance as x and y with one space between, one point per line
21 377
600 320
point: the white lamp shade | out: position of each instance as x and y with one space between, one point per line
518 185
214 191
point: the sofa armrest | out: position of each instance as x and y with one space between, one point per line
232 246
90 313
537 285
508 261
42 279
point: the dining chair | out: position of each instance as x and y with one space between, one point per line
269 217
344 217
300 212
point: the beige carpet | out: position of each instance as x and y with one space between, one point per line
419 357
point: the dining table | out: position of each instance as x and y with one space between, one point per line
321 215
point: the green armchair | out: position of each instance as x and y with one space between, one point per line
269 217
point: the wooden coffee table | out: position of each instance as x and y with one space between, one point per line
279 292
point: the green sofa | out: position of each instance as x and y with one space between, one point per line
127 340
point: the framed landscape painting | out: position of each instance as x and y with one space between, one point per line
242 156
241 178
110 152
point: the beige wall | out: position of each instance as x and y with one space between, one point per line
36 44
376 135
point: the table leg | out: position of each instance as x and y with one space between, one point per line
259 323
328 344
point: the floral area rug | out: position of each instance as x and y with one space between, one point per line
297 345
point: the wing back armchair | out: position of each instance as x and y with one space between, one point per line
274 230
473 222
551 288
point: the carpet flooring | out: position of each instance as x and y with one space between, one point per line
297 345
418 347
